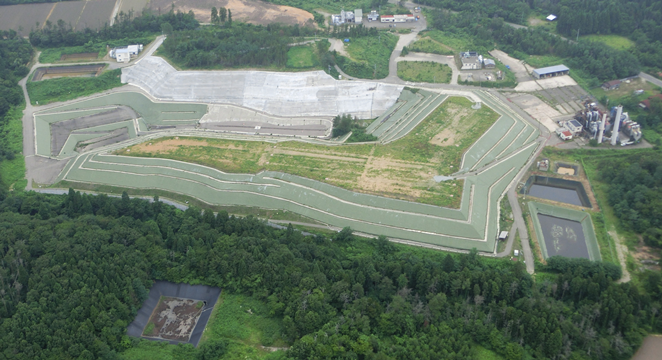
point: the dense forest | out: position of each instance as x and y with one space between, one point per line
126 26
231 46
75 269
635 192
15 55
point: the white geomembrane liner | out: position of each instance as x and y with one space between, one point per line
312 93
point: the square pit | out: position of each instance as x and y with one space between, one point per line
178 312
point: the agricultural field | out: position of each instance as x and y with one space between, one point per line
368 56
63 89
424 71
402 169
427 45
250 11
91 14
615 41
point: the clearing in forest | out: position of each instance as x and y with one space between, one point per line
403 169
174 319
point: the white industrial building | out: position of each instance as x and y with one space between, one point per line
551 71
373 16
471 60
343 18
358 16
397 18
124 53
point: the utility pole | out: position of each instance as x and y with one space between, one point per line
577 35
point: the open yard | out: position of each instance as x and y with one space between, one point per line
615 41
403 169
250 11
424 71
369 56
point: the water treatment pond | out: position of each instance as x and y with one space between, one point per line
563 237
568 196
555 189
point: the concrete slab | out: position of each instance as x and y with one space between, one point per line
312 93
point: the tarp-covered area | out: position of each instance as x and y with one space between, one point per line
165 288
312 93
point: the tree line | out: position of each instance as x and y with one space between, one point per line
15 55
240 45
75 268
126 26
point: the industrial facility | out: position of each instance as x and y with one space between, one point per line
347 17
123 54
398 18
471 60
373 16
551 71
593 123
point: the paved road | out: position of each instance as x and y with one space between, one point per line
650 79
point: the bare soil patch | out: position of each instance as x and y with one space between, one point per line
250 11
174 319
448 135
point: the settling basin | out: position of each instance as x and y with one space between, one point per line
563 237
555 189
44 73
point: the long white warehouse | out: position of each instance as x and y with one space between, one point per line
312 93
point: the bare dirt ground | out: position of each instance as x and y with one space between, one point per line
533 21
448 135
174 319
251 11
338 45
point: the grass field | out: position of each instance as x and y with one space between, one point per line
486 354
63 89
424 71
615 41
427 45
369 56
246 323
402 169
456 42
301 57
